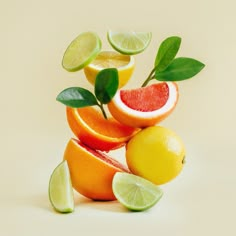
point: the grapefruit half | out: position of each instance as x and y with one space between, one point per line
146 106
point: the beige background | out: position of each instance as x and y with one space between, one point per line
34 132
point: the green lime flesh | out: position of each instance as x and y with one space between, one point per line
60 189
134 192
129 43
81 51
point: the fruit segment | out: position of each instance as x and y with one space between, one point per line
81 51
60 189
129 43
134 192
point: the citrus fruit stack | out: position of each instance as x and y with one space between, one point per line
154 155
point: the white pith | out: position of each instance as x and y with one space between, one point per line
173 95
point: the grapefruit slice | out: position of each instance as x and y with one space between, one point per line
89 125
143 107
91 171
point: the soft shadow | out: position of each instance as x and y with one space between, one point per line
111 206
39 201
42 201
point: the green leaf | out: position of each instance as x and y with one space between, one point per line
180 69
106 85
77 97
167 52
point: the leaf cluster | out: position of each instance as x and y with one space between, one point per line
169 68
105 88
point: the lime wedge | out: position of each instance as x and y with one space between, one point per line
134 192
129 43
60 189
81 51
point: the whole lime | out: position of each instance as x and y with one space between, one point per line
156 154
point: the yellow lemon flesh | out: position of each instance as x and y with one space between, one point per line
156 154
111 59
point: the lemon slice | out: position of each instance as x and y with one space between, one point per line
111 59
129 43
134 192
60 189
81 51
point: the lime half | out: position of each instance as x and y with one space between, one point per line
129 43
60 189
81 51
134 192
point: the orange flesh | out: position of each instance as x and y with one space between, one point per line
145 99
98 123
102 156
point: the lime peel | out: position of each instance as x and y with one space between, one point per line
81 51
60 189
129 43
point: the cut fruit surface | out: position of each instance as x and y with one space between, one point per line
91 171
60 189
145 106
89 125
81 51
143 99
110 59
129 43
134 192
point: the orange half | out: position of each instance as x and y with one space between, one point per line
89 125
143 107
91 171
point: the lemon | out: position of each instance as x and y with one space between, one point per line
129 43
60 189
111 59
81 51
156 153
134 192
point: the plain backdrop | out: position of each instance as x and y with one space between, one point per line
34 131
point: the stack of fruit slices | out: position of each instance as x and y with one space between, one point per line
134 116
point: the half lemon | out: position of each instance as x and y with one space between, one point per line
111 59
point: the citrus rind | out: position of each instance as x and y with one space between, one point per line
60 189
125 69
136 118
129 43
94 139
134 192
81 51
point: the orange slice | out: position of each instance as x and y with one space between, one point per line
91 171
145 106
89 125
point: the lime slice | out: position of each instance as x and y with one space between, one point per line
134 192
60 189
81 51
129 43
